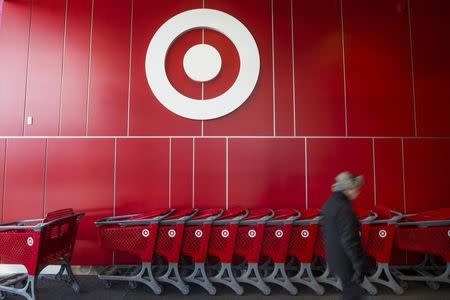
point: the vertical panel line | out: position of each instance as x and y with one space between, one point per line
273 72
115 177
226 173
4 179
27 70
44 194
306 174
170 172
374 173
203 84
293 68
129 66
89 68
403 176
344 69
61 90
412 67
193 172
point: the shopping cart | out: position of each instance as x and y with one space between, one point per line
168 248
248 246
378 243
365 217
36 244
221 247
426 233
301 248
196 236
135 234
275 246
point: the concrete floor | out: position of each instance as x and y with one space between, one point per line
92 288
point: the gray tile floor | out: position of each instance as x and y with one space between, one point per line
91 288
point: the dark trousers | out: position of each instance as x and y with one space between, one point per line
351 291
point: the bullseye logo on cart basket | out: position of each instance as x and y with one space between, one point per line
202 63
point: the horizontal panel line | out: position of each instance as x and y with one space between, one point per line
228 136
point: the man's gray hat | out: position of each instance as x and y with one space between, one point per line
347 181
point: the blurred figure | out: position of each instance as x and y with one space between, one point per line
341 232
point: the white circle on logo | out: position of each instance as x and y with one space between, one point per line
305 233
225 233
279 233
223 104
172 233
251 233
448 233
198 233
202 62
382 233
30 241
145 233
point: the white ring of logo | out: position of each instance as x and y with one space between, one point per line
223 104
145 233
30 241
252 233
305 233
172 233
448 233
198 233
382 233
279 233
225 233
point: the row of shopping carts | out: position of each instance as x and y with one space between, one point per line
257 247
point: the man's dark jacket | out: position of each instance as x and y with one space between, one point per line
341 230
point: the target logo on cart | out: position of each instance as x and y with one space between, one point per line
304 233
198 233
172 233
30 241
145 233
382 233
448 233
279 233
251 233
202 63
225 233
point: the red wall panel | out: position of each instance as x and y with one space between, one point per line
389 173
329 157
148 116
319 83
2 172
266 173
431 45
80 175
181 193
378 68
142 175
255 116
14 33
427 171
108 100
24 179
44 68
284 117
76 68
210 173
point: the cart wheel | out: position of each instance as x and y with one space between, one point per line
132 285
403 284
107 284
185 290
2 295
433 285
76 287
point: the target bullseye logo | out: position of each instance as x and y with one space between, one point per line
448 233
30 241
172 233
251 233
304 233
145 233
198 233
279 233
202 63
225 233
382 233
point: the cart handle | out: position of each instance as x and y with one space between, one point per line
234 220
129 221
261 220
369 219
397 217
180 220
425 223
315 220
289 220
206 220
37 227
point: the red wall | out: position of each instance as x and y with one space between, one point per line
357 85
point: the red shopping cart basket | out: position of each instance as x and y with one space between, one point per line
38 243
301 248
428 233
195 246
169 245
221 248
248 246
135 234
275 245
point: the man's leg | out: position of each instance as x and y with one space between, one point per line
351 291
